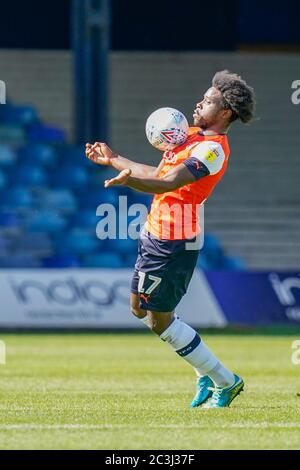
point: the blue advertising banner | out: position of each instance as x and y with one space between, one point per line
257 298
99 298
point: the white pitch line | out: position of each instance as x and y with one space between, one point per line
263 425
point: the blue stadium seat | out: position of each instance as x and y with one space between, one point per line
63 261
69 176
71 153
140 198
7 156
233 264
36 244
104 260
102 173
4 245
3 180
19 260
130 259
213 251
45 221
9 221
12 134
37 154
61 200
22 115
75 155
17 199
28 175
41 133
93 198
77 242
86 219
124 247
203 263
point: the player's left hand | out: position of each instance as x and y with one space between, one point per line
99 153
121 178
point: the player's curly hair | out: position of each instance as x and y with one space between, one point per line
236 95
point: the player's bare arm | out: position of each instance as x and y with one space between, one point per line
101 154
174 179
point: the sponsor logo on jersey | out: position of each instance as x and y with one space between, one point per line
169 156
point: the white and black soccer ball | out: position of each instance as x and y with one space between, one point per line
166 128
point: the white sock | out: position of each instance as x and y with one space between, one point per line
198 373
187 343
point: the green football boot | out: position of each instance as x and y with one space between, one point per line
222 397
203 391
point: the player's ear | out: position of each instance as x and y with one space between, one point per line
227 114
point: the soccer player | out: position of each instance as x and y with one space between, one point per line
164 267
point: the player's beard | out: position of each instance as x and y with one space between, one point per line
203 125
200 122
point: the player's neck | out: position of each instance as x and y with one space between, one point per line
216 129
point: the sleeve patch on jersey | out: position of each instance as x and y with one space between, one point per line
211 154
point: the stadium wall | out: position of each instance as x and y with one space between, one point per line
143 81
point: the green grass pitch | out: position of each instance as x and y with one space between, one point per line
131 391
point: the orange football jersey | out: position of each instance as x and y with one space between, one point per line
175 215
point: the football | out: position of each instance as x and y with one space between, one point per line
166 128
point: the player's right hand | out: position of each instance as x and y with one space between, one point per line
121 178
99 153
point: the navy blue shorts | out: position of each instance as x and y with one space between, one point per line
162 272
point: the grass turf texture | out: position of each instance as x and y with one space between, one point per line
131 391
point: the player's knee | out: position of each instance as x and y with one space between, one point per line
156 326
159 323
153 324
135 306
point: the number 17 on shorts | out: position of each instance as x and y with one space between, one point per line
148 284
